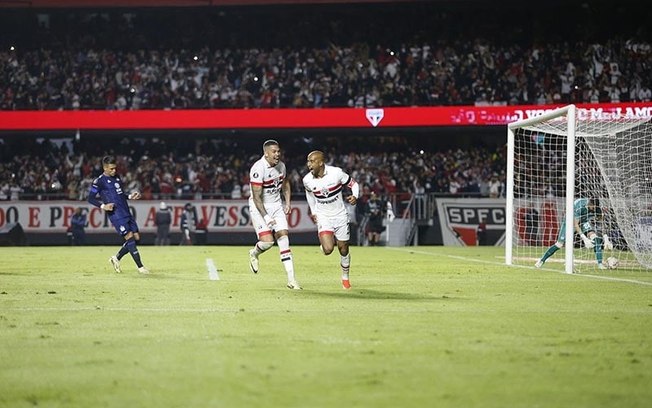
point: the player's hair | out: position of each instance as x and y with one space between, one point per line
269 142
319 152
594 201
108 160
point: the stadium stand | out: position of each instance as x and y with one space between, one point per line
47 170
353 55
422 53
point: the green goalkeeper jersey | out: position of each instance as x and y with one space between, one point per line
585 217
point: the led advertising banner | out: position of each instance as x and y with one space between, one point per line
301 118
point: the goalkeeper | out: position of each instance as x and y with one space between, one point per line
585 214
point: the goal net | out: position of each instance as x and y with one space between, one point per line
594 171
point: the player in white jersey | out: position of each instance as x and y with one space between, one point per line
324 186
268 211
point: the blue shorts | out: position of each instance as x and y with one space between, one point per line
125 225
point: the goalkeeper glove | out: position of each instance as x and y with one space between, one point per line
587 242
607 243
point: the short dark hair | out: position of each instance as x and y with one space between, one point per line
594 201
108 160
269 142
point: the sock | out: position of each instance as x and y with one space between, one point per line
123 251
598 249
262 246
345 263
133 250
286 256
549 252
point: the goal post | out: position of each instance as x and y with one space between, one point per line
558 114
564 166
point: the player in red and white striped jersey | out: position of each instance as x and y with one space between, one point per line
268 210
324 186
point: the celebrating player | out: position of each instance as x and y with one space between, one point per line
268 212
323 186
107 193
585 212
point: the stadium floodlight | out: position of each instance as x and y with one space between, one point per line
567 154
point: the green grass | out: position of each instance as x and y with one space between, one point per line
427 326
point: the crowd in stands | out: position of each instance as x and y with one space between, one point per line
218 168
125 61
423 54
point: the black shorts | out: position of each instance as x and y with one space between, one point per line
375 226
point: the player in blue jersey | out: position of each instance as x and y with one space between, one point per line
107 193
586 211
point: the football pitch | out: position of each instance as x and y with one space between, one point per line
421 327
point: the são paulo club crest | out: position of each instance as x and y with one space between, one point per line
374 116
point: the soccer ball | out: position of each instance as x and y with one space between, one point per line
612 262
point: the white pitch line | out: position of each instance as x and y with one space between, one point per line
212 270
462 258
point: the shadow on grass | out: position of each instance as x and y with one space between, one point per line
377 294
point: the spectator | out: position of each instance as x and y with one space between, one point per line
158 72
374 209
645 94
162 220
188 224
201 232
481 233
77 227
495 187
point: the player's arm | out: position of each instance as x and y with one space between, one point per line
311 203
587 242
257 197
286 189
256 174
94 198
355 190
576 225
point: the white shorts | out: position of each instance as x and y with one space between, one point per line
338 225
277 214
